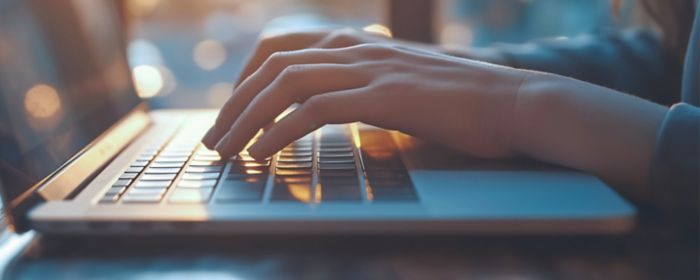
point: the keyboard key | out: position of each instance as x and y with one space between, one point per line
300 192
152 184
121 183
338 166
336 149
139 163
174 154
335 145
298 165
142 198
248 171
298 149
261 179
201 176
197 184
295 154
206 163
293 172
247 158
331 174
146 191
339 160
340 180
341 174
238 191
145 158
204 169
109 198
288 159
157 177
179 147
167 164
118 190
294 179
340 193
253 164
190 195
162 170
330 155
207 157
171 159
133 170
305 146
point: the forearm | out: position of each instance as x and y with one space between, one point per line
632 61
587 127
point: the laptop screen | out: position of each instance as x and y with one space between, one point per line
64 79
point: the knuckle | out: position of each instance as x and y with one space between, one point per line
317 107
276 59
343 37
290 78
271 40
290 73
390 85
267 41
377 51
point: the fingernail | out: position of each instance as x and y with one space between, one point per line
254 151
223 146
206 140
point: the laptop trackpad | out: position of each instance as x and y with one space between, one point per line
450 183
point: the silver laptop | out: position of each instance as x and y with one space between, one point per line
82 154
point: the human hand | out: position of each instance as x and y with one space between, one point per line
322 39
463 104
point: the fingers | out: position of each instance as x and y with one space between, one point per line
268 46
268 72
346 37
294 84
330 108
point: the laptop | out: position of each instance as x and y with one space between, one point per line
82 154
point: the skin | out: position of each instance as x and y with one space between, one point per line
477 108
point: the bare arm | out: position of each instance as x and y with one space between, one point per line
587 127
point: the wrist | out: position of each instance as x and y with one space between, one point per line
489 55
537 93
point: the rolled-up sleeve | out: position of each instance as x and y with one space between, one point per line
676 165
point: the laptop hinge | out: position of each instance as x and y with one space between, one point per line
88 163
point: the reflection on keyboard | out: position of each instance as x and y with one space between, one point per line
324 166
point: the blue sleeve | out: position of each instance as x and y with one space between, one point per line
675 172
633 61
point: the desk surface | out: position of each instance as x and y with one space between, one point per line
645 254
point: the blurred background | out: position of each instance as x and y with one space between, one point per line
187 53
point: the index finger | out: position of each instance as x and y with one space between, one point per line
268 45
247 91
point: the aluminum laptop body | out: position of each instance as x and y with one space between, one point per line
81 154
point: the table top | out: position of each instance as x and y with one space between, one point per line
650 252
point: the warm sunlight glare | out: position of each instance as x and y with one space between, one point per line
300 192
42 101
209 54
148 80
378 28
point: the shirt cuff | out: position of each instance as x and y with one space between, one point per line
675 169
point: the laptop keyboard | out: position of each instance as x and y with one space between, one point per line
325 166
